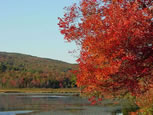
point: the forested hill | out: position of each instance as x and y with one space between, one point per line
25 71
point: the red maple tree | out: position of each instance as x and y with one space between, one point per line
116 45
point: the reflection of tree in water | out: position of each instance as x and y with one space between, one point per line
36 102
7 101
51 103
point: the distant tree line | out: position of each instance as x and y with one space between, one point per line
17 72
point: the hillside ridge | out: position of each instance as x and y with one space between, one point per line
17 69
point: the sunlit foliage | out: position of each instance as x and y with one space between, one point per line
116 45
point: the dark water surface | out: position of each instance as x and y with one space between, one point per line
52 104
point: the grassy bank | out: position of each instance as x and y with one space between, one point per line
40 90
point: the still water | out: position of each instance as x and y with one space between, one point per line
52 104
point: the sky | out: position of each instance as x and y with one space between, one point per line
30 27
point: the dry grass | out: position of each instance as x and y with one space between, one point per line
40 90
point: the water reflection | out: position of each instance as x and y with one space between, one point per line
52 104
14 112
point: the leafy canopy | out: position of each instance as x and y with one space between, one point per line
116 44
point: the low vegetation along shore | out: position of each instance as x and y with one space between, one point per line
40 90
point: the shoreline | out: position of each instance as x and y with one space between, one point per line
40 90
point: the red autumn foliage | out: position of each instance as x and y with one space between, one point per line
3 80
116 44
13 83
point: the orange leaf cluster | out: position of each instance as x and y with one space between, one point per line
116 41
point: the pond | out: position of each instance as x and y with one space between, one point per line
52 104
